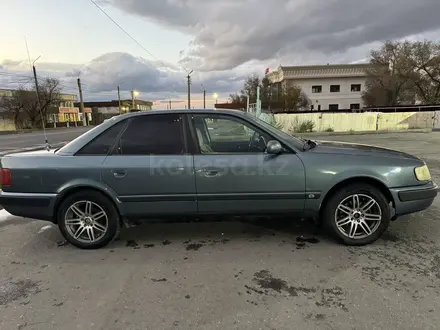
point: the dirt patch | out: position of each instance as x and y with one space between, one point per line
159 280
267 284
133 244
194 246
301 242
13 291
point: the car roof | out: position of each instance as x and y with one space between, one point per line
187 111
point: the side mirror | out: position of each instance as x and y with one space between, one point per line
274 147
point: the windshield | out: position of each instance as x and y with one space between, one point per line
296 141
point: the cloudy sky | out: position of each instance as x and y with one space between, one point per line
221 40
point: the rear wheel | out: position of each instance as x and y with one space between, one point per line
88 220
357 214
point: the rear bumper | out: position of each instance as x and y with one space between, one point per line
29 205
414 199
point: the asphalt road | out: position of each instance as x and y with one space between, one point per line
269 275
10 142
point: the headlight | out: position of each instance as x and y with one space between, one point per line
422 173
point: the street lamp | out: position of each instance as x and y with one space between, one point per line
134 93
215 97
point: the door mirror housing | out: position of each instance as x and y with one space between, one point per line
274 147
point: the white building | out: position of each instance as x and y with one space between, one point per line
329 87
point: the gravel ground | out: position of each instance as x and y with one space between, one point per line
229 275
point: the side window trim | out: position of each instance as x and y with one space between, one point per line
238 119
118 138
191 145
182 126
78 153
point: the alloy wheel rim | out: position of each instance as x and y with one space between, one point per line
86 221
358 216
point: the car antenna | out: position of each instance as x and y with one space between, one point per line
32 65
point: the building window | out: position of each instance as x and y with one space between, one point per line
356 87
333 107
355 106
317 89
311 107
319 107
335 88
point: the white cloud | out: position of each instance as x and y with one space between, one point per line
229 33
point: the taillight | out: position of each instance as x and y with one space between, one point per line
5 177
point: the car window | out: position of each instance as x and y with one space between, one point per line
227 134
104 142
153 135
296 141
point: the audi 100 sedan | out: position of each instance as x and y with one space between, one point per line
145 165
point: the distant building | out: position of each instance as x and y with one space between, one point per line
64 111
329 87
112 107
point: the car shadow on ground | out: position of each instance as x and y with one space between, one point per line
196 234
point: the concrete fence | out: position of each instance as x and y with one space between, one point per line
6 124
367 121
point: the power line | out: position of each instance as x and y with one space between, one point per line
130 36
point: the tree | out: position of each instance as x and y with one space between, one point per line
388 81
292 99
23 105
236 98
425 60
403 73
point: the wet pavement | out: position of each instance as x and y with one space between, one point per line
265 274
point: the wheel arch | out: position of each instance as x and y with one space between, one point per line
82 187
359 179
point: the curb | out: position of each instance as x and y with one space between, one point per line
422 130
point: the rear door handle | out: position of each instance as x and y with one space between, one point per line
211 173
119 173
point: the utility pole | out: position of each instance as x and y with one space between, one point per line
204 96
81 103
189 88
170 104
119 100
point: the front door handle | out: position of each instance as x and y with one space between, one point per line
119 173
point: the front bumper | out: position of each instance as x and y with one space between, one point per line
29 205
414 199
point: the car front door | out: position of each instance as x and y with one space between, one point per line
150 168
234 174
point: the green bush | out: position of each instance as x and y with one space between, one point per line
329 129
275 123
303 127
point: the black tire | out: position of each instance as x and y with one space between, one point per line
329 212
113 223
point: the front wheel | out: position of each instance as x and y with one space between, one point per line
357 214
88 220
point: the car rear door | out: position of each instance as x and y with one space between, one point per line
150 168
234 175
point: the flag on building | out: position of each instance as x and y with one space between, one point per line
267 71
